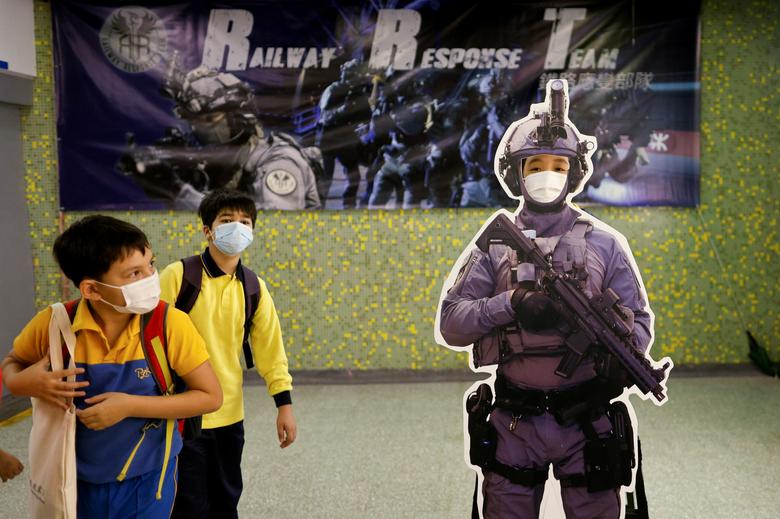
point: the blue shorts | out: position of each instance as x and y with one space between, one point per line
133 497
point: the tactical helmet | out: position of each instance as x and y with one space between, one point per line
350 69
413 120
205 91
545 130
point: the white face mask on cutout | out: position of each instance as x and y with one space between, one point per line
141 296
545 186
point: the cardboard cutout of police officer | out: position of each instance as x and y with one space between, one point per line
549 301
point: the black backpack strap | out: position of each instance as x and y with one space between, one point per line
251 301
190 283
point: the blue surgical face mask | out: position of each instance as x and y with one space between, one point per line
232 238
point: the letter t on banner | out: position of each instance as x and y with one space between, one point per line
563 24
394 39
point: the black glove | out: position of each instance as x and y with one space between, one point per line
534 310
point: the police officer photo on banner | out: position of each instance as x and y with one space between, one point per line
549 302
224 145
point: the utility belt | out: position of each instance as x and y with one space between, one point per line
608 461
588 400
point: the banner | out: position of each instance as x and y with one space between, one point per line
349 104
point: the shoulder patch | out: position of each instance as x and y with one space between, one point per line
281 182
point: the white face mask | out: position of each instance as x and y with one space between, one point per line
545 186
141 296
232 238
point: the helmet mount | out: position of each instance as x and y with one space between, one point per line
546 130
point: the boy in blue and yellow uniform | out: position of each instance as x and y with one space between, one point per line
121 433
211 483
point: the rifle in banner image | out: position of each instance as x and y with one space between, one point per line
596 322
161 168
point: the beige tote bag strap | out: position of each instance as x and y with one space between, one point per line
60 328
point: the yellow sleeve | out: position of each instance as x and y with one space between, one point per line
32 343
267 345
170 282
186 348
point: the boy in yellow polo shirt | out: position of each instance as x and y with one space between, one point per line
210 482
120 443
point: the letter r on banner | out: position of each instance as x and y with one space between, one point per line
563 24
228 30
394 39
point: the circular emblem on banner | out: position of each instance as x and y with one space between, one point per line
133 39
281 182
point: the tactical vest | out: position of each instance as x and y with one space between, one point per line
568 252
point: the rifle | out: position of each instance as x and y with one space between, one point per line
161 168
169 159
593 321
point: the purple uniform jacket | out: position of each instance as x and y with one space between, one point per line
470 309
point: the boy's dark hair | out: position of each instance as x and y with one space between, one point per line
89 247
220 199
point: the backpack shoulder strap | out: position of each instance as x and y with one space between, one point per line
71 307
190 283
251 301
156 348
250 282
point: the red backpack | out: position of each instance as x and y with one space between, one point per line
154 344
155 349
156 353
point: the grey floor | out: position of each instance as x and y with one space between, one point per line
396 451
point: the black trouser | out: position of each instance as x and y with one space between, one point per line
210 481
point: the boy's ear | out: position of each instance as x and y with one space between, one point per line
88 288
206 231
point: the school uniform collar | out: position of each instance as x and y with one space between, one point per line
213 270
84 320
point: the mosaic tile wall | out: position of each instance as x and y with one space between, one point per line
358 290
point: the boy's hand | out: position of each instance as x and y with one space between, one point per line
10 467
286 428
105 410
37 381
